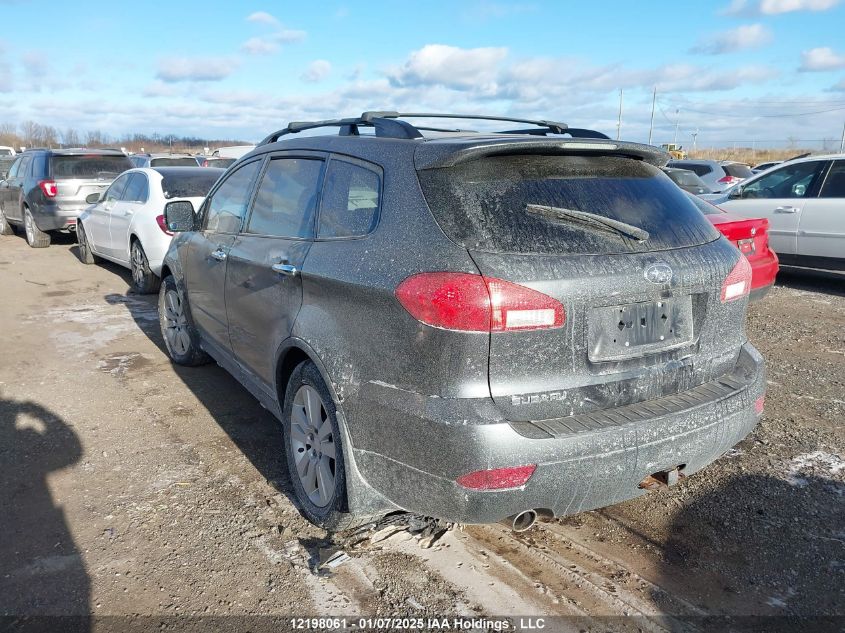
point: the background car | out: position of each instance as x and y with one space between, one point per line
764 166
232 151
163 160
126 224
214 161
687 180
751 237
45 189
718 175
804 202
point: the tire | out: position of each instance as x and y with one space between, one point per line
5 227
307 442
35 237
144 280
86 255
181 338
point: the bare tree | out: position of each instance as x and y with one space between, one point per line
70 138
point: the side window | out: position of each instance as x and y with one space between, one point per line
790 181
13 170
116 189
350 200
137 190
227 206
23 168
834 184
287 198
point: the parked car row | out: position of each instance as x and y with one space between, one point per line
476 327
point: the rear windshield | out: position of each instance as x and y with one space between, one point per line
686 178
738 171
169 161
192 184
699 169
88 166
482 205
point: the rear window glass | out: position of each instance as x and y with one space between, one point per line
91 166
700 170
483 205
193 184
181 161
686 178
738 171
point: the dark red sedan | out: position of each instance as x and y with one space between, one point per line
751 237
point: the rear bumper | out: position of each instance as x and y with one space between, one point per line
414 448
763 272
53 217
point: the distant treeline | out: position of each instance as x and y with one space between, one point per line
32 134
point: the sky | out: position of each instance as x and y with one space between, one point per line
726 71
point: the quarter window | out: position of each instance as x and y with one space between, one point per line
227 207
137 190
350 200
834 184
287 198
13 170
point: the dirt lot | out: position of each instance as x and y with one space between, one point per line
130 486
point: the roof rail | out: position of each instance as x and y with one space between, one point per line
388 124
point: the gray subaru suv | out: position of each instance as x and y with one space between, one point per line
476 327
45 189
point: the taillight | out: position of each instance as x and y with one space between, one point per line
497 478
738 282
163 225
473 303
204 163
729 180
49 188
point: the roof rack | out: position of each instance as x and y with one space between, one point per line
388 124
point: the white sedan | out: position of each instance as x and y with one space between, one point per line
804 201
125 224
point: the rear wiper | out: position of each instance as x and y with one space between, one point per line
591 219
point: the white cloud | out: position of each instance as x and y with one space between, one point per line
819 59
740 38
262 17
268 44
775 7
173 69
772 7
438 64
316 71
839 86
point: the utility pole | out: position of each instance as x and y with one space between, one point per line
651 125
694 136
677 123
842 142
619 121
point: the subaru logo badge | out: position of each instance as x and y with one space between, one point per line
659 273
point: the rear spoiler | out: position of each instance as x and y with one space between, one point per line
438 154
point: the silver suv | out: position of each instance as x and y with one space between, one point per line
716 174
45 189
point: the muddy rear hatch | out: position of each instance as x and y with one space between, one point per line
635 266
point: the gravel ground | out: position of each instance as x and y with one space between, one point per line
129 486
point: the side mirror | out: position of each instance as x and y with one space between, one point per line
179 216
93 198
3 175
735 193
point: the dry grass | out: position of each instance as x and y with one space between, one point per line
747 155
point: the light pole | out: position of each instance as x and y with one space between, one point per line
677 123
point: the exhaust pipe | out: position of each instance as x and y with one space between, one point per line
522 521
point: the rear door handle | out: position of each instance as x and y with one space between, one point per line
284 269
786 210
219 254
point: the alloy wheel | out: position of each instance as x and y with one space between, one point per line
27 223
139 263
312 443
175 323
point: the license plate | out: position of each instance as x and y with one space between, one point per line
637 329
